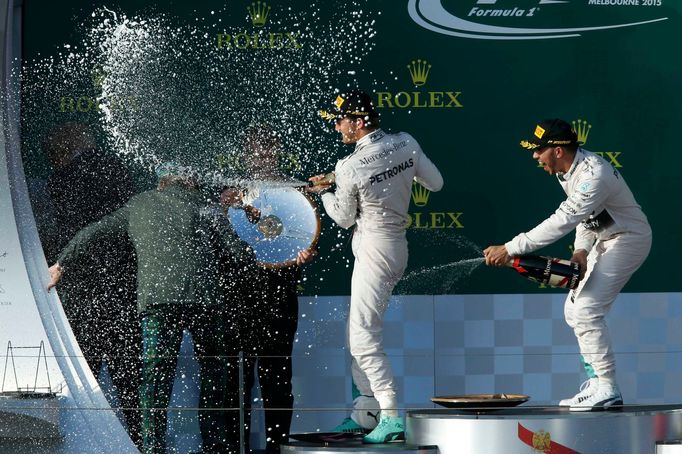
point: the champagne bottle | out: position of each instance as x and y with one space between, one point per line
328 179
547 270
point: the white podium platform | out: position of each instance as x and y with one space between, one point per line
634 429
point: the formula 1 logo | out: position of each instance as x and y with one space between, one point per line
479 19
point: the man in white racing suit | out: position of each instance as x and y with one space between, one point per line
373 189
613 238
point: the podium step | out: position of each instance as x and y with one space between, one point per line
633 429
669 447
327 445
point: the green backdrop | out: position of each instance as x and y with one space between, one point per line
482 94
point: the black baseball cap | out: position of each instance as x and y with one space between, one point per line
355 103
551 132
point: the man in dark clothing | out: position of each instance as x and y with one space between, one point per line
268 317
99 294
87 183
180 248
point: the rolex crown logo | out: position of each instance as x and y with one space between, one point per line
98 77
420 195
259 12
419 71
582 129
231 162
290 162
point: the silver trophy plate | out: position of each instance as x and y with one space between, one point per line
288 223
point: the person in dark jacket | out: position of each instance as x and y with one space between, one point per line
99 293
180 248
269 311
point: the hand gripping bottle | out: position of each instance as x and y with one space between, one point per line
327 180
547 270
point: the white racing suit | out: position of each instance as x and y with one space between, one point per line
373 190
612 227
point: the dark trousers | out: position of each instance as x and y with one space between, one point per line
162 331
268 322
123 366
274 376
102 311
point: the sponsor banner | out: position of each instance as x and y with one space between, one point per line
468 79
522 20
259 37
418 96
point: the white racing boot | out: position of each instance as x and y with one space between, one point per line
607 397
587 389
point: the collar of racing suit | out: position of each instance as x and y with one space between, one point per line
369 138
579 155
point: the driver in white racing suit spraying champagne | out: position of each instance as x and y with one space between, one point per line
373 189
613 238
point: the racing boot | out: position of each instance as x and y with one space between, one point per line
390 428
607 397
587 389
349 426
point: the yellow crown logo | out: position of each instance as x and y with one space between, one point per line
420 195
541 441
259 12
290 162
229 162
582 129
98 77
419 71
